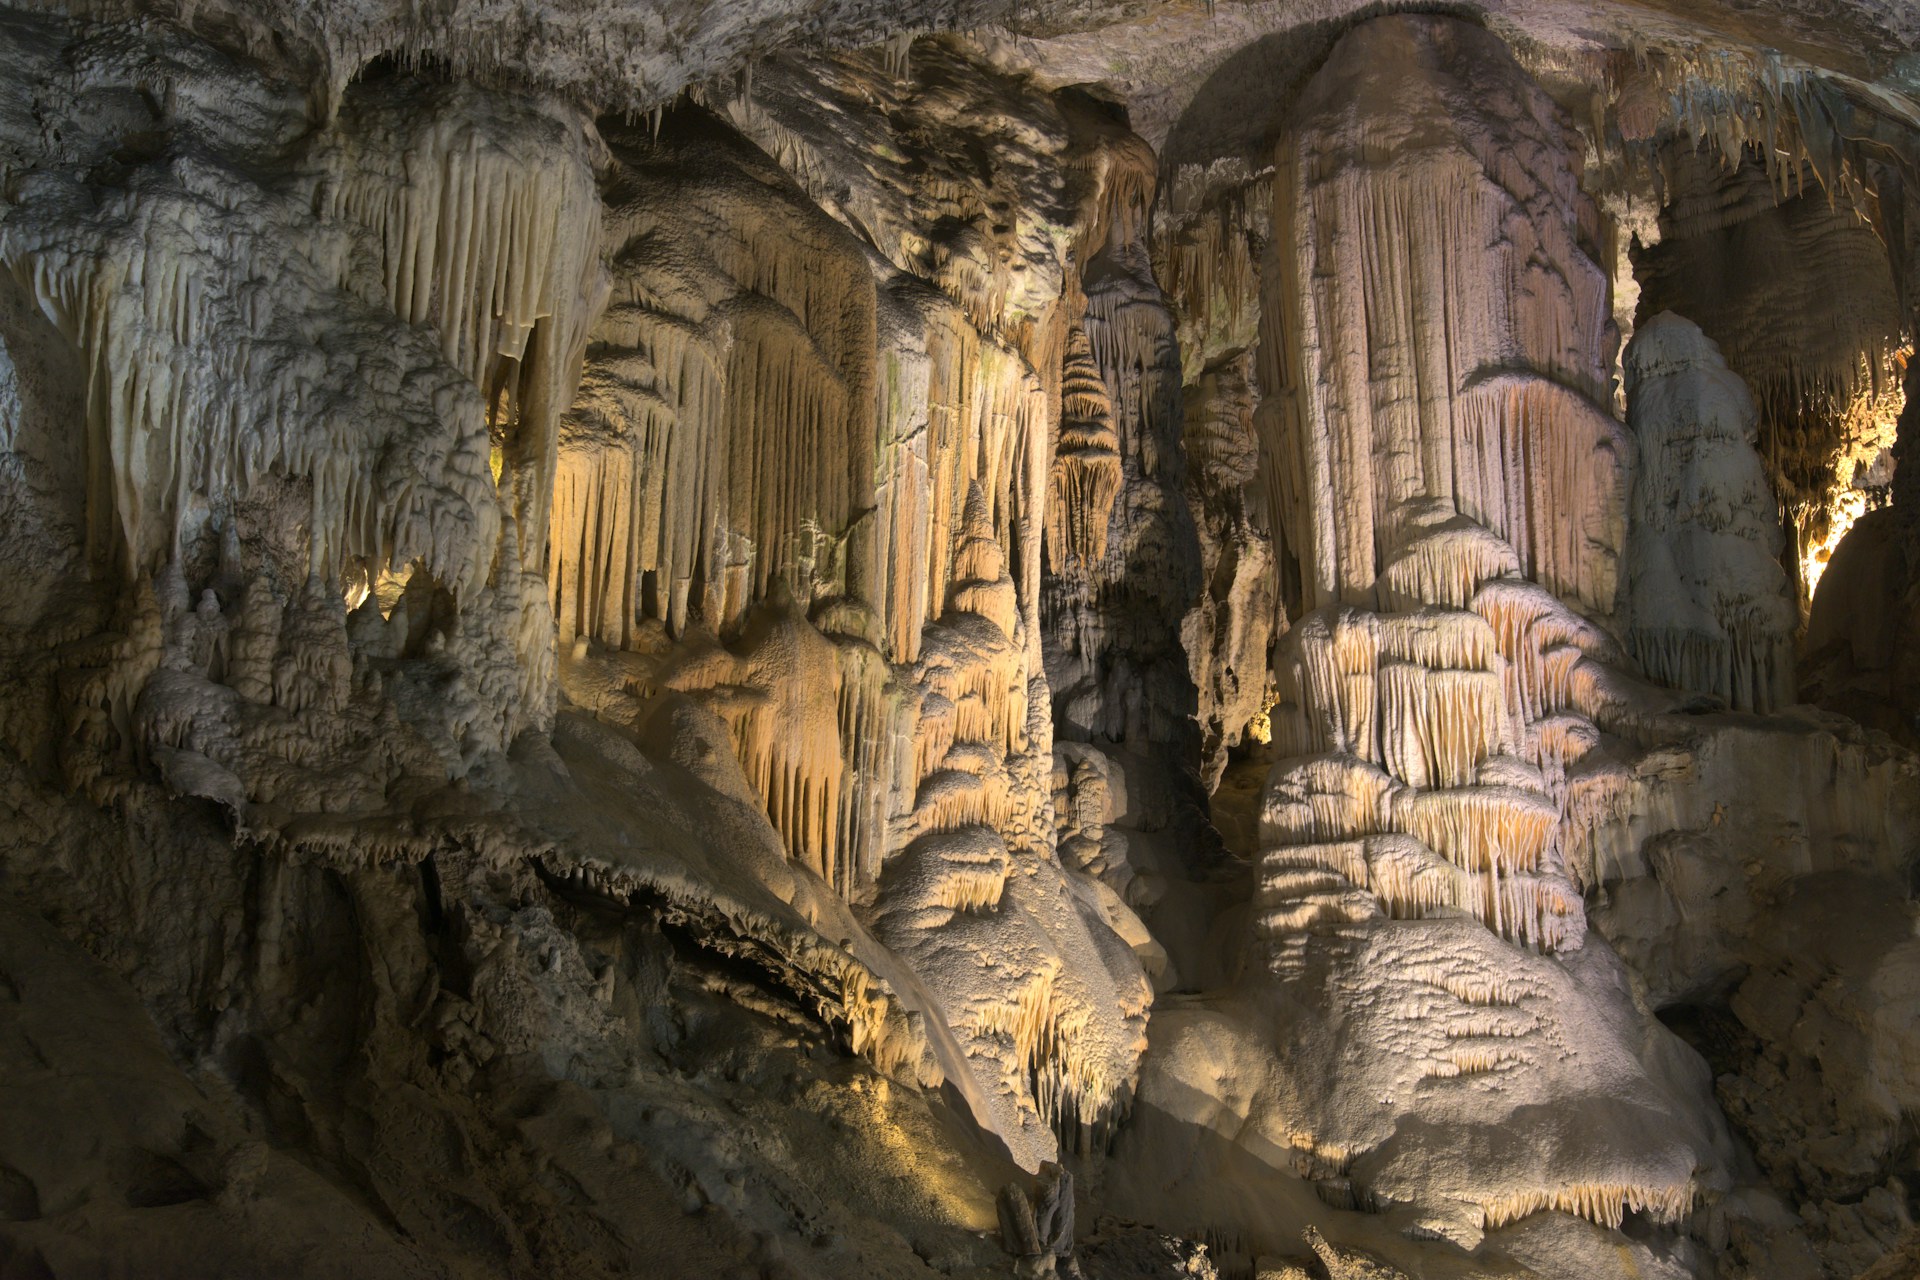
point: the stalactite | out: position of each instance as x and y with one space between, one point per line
870 725
1326 798
1070 1086
1605 1204
1438 725
723 435
214 348
779 691
902 559
1730 103
1499 830
1476 230
984 237
1086 465
487 222
854 406
1442 469
741 412
1445 562
1547 468
1450 639
1331 680
1439 702
944 873
948 799
1411 880
1115 667
1543 643
955 412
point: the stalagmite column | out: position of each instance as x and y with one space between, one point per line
1709 606
1795 287
1229 629
1435 342
1439 330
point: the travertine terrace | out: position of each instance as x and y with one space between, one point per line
1247 638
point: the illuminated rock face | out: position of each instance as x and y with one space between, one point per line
1440 766
814 436
615 644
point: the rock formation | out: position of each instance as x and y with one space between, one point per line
1760 249
1705 553
1439 766
789 640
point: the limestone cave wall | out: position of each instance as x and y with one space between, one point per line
1135 640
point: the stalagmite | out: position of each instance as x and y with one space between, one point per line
1710 607
1230 627
980 582
1792 283
1434 346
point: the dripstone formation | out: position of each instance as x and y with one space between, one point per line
662 638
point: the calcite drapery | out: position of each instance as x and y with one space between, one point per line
807 482
1454 322
1480 385
1435 338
